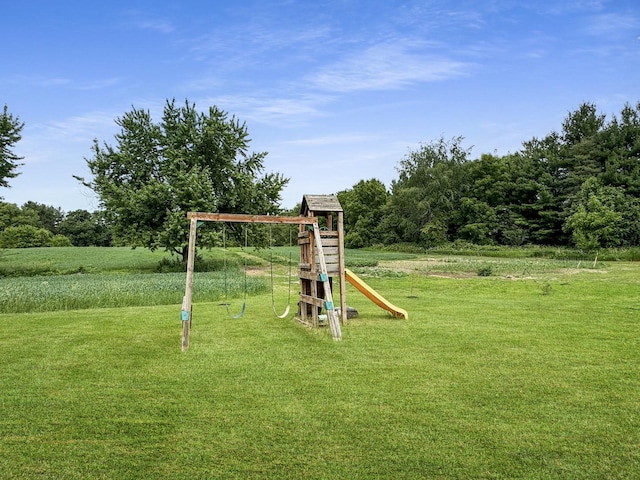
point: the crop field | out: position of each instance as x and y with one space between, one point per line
506 368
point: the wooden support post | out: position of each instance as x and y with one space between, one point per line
341 267
334 323
186 300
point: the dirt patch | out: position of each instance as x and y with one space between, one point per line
574 271
253 271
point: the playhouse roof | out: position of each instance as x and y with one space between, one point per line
320 204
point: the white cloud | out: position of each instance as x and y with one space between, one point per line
271 110
143 21
612 25
38 81
99 84
162 26
341 139
79 127
386 66
255 44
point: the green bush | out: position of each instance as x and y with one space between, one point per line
25 236
175 265
485 271
28 236
60 241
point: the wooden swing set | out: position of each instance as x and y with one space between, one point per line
321 258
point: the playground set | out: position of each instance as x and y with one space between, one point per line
321 261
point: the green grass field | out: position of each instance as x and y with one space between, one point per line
531 372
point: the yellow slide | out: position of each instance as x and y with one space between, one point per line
374 296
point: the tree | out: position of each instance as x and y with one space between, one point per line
427 192
85 229
565 161
189 161
25 236
13 216
10 129
597 220
363 209
621 139
49 217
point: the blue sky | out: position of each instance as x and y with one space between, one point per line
335 91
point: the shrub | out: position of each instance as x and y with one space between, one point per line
60 241
175 265
485 271
25 236
354 240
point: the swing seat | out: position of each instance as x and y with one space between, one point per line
239 315
273 300
226 292
284 315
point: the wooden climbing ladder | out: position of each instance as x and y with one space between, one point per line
332 316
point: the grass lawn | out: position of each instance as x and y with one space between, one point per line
515 376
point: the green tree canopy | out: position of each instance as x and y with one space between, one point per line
49 217
10 128
84 229
189 161
13 216
543 194
26 236
427 192
603 217
364 207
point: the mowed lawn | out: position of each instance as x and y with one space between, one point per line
491 377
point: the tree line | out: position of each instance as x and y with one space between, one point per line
578 186
38 225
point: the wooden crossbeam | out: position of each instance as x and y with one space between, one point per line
244 218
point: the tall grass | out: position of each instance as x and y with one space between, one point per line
73 292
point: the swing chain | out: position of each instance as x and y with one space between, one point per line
226 288
273 302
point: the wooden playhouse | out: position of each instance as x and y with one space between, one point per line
321 256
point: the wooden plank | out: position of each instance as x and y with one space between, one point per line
334 323
334 253
304 322
318 302
243 218
308 275
330 243
328 261
332 271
